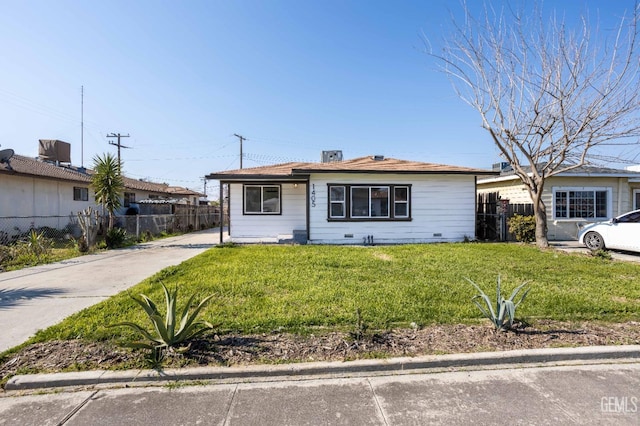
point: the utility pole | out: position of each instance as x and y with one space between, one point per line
241 139
118 144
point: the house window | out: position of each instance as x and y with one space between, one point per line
636 199
401 201
369 202
337 202
261 199
581 203
129 197
80 193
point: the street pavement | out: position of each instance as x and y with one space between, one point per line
39 297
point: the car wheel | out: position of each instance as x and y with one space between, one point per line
594 241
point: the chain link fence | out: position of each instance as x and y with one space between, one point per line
65 229
57 228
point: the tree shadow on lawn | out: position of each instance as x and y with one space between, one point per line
15 296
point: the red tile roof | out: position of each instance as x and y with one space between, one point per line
356 165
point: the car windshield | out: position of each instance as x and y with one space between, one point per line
633 217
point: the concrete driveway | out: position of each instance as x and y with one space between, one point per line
574 247
36 298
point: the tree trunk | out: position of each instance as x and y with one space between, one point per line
540 212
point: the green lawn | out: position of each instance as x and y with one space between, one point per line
302 288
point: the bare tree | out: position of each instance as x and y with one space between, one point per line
551 97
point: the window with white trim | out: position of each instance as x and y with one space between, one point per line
581 203
369 202
337 202
261 199
401 201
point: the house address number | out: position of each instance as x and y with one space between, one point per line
313 195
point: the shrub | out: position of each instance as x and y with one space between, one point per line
6 255
601 254
35 244
115 237
81 244
505 308
523 228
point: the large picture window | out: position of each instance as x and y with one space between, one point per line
581 203
261 199
369 202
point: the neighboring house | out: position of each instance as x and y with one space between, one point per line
574 198
364 200
185 195
35 188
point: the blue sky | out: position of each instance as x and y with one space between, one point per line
294 77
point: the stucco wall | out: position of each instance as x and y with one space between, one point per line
25 196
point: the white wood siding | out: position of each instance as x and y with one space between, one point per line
442 209
267 227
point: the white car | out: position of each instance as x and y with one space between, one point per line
620 233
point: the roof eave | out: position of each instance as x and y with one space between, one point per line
399 172
245 177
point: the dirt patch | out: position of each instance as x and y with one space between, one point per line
226 350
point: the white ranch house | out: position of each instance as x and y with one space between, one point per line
364 200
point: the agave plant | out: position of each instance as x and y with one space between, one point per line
170 331
504 314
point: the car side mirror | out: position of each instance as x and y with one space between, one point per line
614 220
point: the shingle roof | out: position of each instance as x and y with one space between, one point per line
21 165
178 190
582 171
356 165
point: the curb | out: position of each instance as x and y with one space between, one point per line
334 369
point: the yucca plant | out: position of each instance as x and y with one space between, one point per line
504 314
167 332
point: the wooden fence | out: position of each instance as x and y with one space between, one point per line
492 215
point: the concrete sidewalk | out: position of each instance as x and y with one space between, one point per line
553 394
36 298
